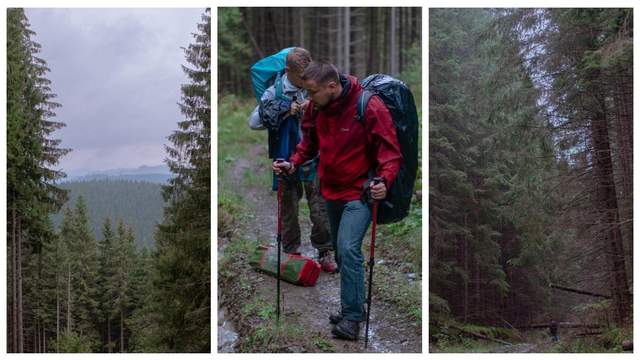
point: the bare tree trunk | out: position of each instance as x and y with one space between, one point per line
57 315
466 270
347 40
624 141
69 297
301 26
393 44
122 330
251 38
607 206
19 297
14 283
278 42
109 332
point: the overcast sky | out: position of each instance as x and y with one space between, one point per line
117 75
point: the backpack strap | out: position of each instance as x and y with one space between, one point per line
363 101
278 85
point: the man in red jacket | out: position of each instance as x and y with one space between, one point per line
351 153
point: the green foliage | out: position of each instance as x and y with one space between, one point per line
182 275
395 288
234 55
488 164
269 337
323 344
412 74
138 203
71 342
32 155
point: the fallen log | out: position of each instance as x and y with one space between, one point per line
588 334
516 331
577 291
480 336
564 325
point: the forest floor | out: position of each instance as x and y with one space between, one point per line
539 342
247 216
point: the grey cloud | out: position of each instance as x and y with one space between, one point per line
117 74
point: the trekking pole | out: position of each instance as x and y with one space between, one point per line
279 241
372 252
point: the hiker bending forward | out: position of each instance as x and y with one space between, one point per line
280 109
351 152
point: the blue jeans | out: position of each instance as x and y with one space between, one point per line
349 222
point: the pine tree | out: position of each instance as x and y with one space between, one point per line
31 193
146 316
183 239
82 269
119 287
106 267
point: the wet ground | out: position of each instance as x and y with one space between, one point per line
309 307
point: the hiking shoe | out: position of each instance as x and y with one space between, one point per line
335 318
347 330
327 262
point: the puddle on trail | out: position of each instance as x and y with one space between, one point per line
227 336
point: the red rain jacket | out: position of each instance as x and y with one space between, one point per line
349 149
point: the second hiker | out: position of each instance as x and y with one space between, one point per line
279 111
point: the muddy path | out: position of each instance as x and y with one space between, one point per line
304 308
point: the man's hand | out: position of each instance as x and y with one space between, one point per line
378 190
295 108
283 166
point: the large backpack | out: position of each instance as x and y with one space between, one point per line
399 101
268 71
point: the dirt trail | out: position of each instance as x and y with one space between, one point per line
309 308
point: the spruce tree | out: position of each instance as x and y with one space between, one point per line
31 156
182 263
106 268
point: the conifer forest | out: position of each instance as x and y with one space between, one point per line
69 290
530 180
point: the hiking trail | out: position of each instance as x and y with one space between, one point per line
307 307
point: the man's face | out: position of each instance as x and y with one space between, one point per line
320 94
294 76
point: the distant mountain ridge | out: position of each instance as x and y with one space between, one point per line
158 174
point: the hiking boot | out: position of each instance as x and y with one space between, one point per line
347 329
327 262
335 318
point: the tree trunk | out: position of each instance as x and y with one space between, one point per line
624 141
14 283
69 298
57 316
19 296
607 205
109 333
577 291
122 330
301 26
347 40
393 44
